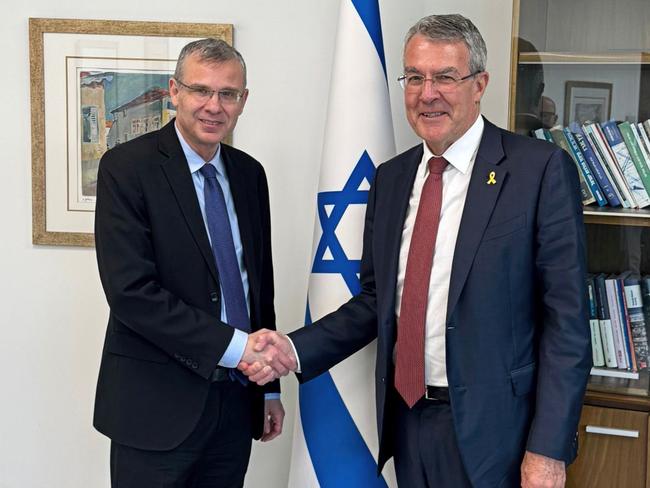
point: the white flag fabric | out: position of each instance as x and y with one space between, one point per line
335 438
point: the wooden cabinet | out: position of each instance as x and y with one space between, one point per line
613 450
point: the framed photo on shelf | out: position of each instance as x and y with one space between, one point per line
587 101
94 84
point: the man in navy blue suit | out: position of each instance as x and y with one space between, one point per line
472 275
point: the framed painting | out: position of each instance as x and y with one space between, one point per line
587 101
94 84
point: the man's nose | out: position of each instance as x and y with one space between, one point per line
430 90
214 103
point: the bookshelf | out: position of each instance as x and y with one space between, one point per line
622 57
589 60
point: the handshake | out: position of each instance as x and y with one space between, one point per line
267 356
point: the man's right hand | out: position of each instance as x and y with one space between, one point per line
268 355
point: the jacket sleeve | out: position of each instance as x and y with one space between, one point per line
564 352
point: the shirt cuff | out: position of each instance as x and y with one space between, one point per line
235 350
295 353
271 396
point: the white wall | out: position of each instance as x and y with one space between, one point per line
52 310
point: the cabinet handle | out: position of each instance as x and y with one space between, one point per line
594 429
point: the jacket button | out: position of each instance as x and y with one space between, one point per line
214 297
178 356
195 365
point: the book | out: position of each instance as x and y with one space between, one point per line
646 125
580 161
645 149
634 152
644 136
617 325
560 139
625 322
543 134
600 147
597 353
604 321
634 302
645 299
596 166
632 177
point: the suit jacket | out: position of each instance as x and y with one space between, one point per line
517 340
164 336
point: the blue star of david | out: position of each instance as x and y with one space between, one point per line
349 195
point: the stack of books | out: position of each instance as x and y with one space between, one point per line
619 313
613 160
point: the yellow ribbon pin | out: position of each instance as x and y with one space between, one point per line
491 178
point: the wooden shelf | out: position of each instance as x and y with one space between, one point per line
615 373
639 217
617 400
612 57
631 391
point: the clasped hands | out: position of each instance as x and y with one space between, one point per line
267 356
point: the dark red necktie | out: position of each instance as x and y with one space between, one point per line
409 365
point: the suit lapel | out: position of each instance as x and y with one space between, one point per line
398 193
485 185
180 179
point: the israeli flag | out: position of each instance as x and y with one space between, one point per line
335 437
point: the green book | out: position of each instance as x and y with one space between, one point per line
635 152
560 140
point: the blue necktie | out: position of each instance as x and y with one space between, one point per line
225 256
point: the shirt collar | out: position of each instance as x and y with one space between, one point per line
461 153
194 161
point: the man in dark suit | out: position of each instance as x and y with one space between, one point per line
473 283
184 251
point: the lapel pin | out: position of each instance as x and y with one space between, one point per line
492 178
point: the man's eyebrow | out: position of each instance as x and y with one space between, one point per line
444 71
411 69
447 70
198 86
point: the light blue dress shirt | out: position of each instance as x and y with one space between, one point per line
235 349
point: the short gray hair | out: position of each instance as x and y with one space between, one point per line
209 50
453 28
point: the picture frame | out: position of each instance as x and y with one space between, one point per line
94 84
587 101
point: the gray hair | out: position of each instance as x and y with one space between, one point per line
209 50
453 28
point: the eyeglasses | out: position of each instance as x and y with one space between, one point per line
414 82
204 94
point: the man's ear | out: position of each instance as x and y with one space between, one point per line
173 91
480 84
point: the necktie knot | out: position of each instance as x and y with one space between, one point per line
208 171
437 165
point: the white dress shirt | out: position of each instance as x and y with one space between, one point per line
455 181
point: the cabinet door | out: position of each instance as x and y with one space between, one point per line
613 449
